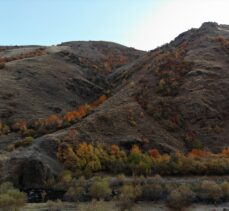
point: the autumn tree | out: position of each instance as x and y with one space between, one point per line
138 162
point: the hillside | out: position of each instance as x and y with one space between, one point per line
44 80
175 97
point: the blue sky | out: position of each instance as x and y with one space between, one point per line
54 21
143 24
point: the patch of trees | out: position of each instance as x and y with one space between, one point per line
127 191
38 127
86 159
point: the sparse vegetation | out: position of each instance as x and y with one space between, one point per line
10 197
37 52
23 143
53 122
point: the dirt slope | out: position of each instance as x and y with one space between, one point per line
59 79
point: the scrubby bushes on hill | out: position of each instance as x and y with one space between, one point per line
38 127
22 143
37 52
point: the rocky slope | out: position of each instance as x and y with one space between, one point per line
175 97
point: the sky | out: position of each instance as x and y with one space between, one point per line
142 24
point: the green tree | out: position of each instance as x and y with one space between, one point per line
139 163
99 188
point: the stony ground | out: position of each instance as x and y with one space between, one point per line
138 207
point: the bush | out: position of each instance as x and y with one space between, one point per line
77 190
225 190
128 194
55 205
210 191
65 177
2 65
180 197
99 188
4 129
95 206
152 192
25 142
10 197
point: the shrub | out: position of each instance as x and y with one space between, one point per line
77 190
2 65
210 191
65 177
130 191
194 144
180 197
225 152
11 198
153 111
95 206
99 188
128 194
225 190
55 205
4 129
152 192
25 142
